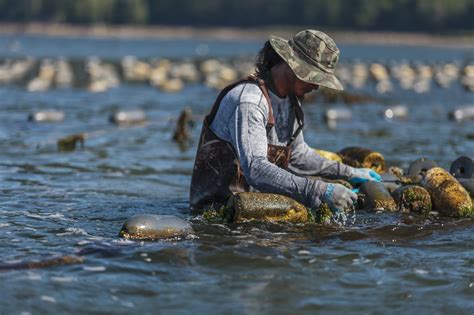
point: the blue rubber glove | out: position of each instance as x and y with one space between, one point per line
338 198
362 175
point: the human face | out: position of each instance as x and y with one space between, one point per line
300 88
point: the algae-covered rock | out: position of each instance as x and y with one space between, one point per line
377 197
448 196
248 206
217 214
412 198
329 155
361 157
322 214
69 143
395 170
153 227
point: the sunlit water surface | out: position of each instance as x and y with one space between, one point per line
74 203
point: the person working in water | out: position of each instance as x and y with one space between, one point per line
252 140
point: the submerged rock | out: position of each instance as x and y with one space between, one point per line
153 227
52 262
462 113
334 114
449 197
182 134
131 117
69 143
47 116
396 112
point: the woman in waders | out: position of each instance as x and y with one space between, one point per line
252 140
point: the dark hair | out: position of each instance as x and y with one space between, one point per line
267 58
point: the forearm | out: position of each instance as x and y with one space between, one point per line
267 177
306 162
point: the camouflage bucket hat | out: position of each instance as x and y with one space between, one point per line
312 55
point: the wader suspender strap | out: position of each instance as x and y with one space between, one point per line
271 118
222 94
298 114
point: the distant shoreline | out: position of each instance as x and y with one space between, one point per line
227 33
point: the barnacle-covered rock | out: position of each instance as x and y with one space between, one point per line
448 195
361 157
412 198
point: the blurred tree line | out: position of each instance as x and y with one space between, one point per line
400 15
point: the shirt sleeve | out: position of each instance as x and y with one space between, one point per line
306 162
247 126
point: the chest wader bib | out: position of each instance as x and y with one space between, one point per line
217 173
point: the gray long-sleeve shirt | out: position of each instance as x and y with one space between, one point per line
242 119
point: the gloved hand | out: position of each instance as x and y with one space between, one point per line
362 175
338 197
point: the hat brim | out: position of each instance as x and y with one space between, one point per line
303 70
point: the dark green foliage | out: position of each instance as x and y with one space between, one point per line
401 15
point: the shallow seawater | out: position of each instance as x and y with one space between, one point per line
74 203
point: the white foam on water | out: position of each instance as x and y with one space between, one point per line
345 218
360 261
33 276
73 231
420 271
191 237
4 225
12 261
94 268
46 216
47 298
96 238
128 304
304 252
63 279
